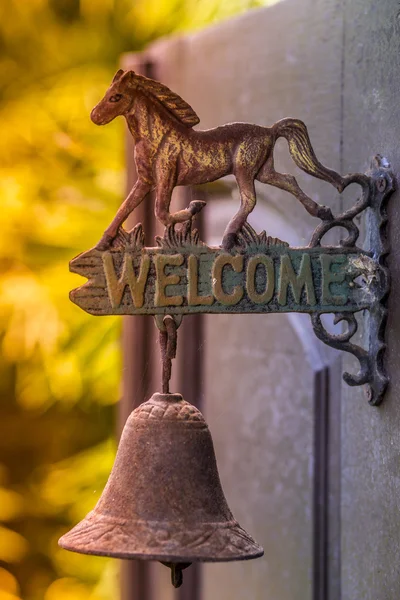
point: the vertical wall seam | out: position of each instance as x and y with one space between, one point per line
342 99
342 85
321 485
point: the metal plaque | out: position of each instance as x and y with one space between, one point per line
184 276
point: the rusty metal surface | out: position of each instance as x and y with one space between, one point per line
164 500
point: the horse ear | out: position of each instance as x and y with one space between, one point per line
118 75
128 78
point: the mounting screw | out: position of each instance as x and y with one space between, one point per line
381 184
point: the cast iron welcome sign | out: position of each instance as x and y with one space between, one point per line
184 276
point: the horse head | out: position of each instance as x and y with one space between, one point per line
117 100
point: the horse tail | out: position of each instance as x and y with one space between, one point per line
295 132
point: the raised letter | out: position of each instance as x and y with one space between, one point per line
329 276
193 285
162 280
236 262
298 282
266 296
116 287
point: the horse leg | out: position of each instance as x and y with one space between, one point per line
163 201
135 197
247 202
284 181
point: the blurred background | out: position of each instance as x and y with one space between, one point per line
62 179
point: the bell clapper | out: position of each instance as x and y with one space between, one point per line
176 572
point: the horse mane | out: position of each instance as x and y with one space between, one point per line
180 109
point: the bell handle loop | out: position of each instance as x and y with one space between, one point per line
168 340
159 320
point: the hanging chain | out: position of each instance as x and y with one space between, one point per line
168 339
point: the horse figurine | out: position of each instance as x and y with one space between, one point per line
169 152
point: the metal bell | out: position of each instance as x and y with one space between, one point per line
163 500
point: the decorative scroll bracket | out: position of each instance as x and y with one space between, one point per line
378 185
260 274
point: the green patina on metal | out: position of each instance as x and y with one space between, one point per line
198 279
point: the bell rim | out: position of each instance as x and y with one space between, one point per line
92 536
162 557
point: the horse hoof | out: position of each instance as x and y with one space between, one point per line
104 243
229 241
195 206
325 213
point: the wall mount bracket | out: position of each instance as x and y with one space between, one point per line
378 184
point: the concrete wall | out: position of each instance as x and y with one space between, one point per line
371 437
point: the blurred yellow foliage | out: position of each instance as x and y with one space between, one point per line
69 589
81 475
8 583
7 596
11 505
13 547
61 180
